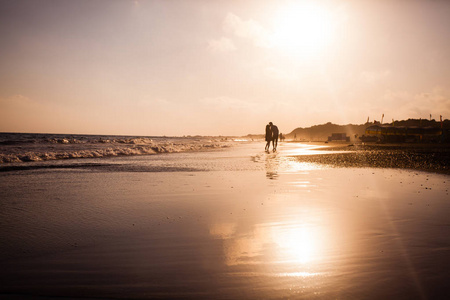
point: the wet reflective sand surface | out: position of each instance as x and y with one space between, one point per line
240 224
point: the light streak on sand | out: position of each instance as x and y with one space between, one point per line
298 274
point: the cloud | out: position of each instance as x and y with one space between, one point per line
154 109
401 104
221 45
249 29
279 74
223 103
20 113
156 103
394 104
17 104
374 77
239 115
16 100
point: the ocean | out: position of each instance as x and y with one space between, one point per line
18 150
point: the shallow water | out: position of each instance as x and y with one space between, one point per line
234 224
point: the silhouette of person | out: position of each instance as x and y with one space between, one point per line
268 136
274 136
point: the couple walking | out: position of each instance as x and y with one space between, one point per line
271 136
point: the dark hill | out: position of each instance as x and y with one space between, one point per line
323 131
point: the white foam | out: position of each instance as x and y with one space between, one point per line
56 149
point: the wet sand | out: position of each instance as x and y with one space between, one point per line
235 224
424 157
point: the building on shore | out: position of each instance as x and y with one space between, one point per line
339 137
402 134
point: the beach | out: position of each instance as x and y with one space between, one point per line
429 157
227 223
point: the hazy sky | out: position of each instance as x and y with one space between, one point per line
219 67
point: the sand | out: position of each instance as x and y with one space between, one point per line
430 157
230 224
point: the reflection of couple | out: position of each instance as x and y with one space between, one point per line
271 136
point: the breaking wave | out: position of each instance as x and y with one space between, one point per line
16 148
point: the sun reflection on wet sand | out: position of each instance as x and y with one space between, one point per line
297 243
289 239
294 243
276 163
298 274
290 149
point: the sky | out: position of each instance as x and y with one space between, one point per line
199 67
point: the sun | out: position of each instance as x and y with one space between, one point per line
303 28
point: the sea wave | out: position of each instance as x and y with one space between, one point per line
72 140
66 148
128 141
97 167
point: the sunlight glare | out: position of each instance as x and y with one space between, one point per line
299 244
303 29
